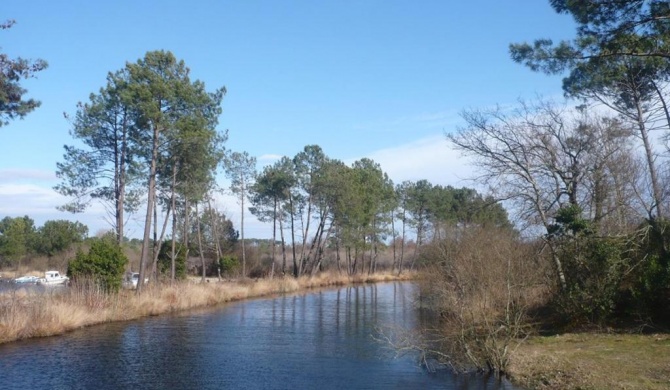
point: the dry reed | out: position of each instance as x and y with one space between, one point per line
26 314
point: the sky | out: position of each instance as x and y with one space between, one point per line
378 79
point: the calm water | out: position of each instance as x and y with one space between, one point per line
319 340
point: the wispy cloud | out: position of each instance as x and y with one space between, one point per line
429 158
15 197
40 203
16 174
269 157
427 120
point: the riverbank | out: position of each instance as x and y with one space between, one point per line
593 361
25 314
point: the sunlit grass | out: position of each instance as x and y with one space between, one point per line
594 361
25 313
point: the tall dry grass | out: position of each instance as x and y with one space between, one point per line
25 313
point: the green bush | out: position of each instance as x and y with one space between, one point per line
104 263
651 285
228 263
594 268
165 260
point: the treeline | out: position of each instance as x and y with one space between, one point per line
319 206
19 238
149 139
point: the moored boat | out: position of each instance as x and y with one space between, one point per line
26 280
53 278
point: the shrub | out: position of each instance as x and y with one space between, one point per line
650 289
104 264
482 282
165 260
228 263
594 268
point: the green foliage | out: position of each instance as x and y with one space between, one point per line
594 268
17 237
569 221
106 126
165 260
12 104
228 263
434 206
104 263
57 236
651 279
605 29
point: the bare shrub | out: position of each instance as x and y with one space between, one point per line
482 283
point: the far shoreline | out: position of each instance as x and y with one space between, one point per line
27 314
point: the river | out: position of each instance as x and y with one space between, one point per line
314 340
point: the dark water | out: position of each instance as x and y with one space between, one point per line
319 340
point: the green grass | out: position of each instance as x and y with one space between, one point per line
593 361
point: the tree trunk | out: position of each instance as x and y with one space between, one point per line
274 230
306 231
244 251
173 204
337 249
154 270
147 221
186 227
283 243
655 187
202 255
121 190
394 237
215 236
317 237
402 244
154 248
290 200
173 252
319 252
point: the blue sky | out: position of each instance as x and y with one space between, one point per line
377 79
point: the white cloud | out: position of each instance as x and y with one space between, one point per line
27 199
269 157
426 120
15 174
39 202
429 158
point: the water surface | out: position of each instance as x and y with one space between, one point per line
318 340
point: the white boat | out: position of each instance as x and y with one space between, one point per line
53 278
26 280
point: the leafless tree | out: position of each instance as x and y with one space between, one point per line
541 157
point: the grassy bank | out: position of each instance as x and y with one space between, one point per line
593 361
25 314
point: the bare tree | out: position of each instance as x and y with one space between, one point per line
536 156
